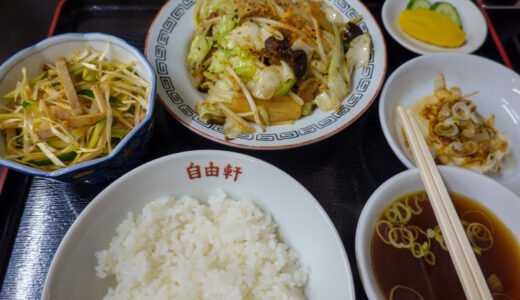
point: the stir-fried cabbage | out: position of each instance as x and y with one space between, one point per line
248 35
240 59
272 61
200 46
225 26
359 52
206 8
338 83
272 81
267 82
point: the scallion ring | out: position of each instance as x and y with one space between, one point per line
461 111
447 128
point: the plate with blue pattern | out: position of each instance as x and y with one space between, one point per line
167 46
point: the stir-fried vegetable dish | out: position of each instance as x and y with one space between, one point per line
272 61
457 134
76 110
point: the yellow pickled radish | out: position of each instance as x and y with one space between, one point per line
431 27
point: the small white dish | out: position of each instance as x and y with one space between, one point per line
473 24
167 46
499 200
498 93
303 224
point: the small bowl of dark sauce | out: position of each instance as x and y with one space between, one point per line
400 250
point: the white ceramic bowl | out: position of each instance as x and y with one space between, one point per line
130 149
473 23
499 94
167 47
303 224
499 200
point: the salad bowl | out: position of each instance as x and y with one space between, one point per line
130 149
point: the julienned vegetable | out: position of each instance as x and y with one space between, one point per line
272 61
76 110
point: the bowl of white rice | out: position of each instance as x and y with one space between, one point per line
202 225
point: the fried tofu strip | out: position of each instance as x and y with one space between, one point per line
124 122
84 120
44 135
100 99
66 81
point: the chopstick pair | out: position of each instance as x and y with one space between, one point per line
461 252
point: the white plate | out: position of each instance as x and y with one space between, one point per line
167 46
473 23
502 202
303 224
499 94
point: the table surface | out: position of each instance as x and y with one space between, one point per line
341 171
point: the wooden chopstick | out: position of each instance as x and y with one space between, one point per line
461 252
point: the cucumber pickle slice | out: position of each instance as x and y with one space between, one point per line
448 10
444 8
415 4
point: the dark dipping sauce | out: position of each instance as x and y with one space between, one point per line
393 266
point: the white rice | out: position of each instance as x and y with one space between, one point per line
185 249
